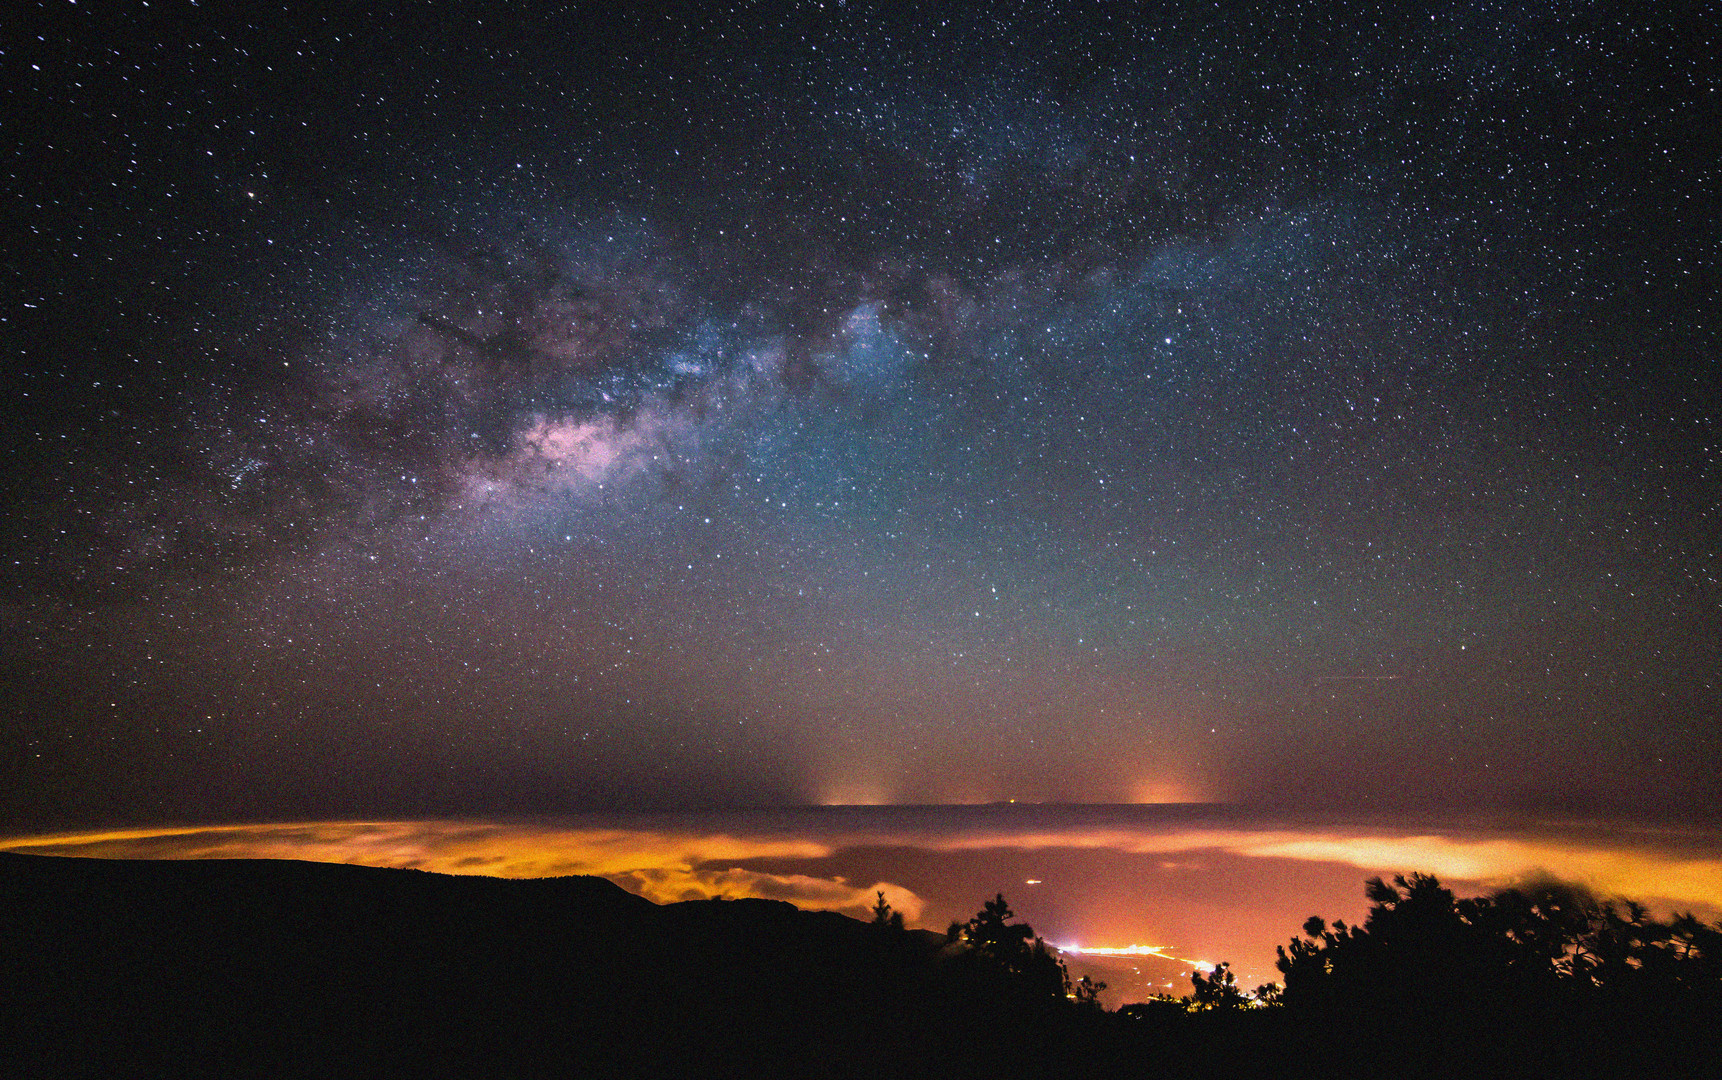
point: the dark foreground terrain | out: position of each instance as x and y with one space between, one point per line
266 968
273 968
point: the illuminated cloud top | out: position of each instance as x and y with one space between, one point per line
1163 885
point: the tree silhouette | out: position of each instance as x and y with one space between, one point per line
884 917
1539 973
1217 990
1013 948
990 933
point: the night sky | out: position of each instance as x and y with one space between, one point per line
454 411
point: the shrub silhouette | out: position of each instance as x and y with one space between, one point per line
1421 942
1544 977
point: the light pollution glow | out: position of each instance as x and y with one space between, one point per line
1120 950
1241 884
1158 951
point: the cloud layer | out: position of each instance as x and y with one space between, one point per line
741 856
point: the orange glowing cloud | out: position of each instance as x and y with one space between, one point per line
668 886
662 865
1629 866
495 849
686 861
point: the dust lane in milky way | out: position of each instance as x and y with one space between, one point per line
1090 404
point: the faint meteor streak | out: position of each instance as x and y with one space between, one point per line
1354 678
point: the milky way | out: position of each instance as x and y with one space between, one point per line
859 406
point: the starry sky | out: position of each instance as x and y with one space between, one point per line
434 412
